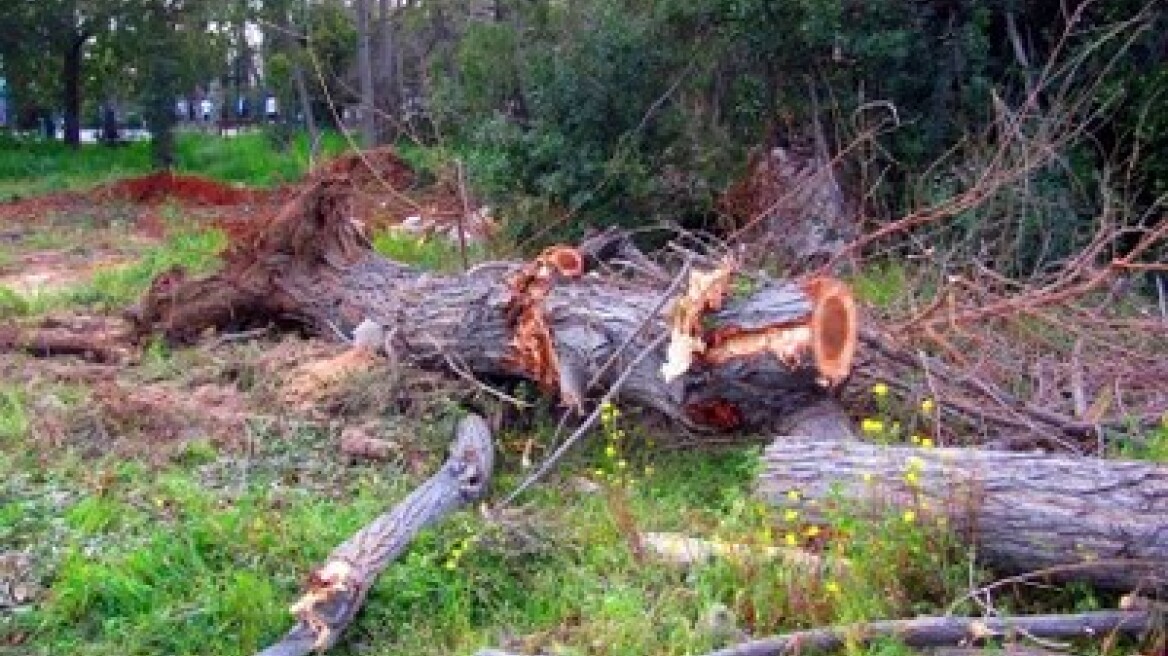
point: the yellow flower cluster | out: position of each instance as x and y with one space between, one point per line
923 442
456 554
912 475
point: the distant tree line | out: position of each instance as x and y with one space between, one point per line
624 111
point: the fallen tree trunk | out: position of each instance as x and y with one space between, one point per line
741 353
1081 518
337 589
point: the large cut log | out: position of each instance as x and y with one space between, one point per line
337 589
726 352
1081 518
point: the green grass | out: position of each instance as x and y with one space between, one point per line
114 288
30 168
170 562
431 253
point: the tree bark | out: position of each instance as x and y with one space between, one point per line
924 632
1082 518
365 72
772 348
71 87
337 589
306 109
388 98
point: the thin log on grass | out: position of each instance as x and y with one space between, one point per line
337 589
924 632
53 339
1080 518
936 631
739 354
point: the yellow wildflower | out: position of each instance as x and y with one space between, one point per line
610 451
832 587
791 515
867 476
927 405
871 426
911 477
621 464
909 516
812 531
793 495
926 443
880 389
791 540
915 439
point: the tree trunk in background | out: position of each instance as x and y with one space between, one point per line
365 71
306 108
387 80
162 87
109 122
71 86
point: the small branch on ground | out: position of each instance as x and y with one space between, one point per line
942 631
337 589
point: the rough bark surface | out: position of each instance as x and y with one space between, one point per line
936 631
1023 511
312 265
337 589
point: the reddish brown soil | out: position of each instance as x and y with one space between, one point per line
377 168
185 189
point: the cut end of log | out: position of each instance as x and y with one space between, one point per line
824 339
834 328
565 259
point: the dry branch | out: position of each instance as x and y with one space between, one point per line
1101 521
938 631
337 589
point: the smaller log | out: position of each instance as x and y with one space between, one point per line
93 341
923 632
936 631
337 589
1080 518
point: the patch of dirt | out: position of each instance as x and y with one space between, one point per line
43 272
371 169
185 189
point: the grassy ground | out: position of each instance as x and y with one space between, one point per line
199 550
150 534
29 168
